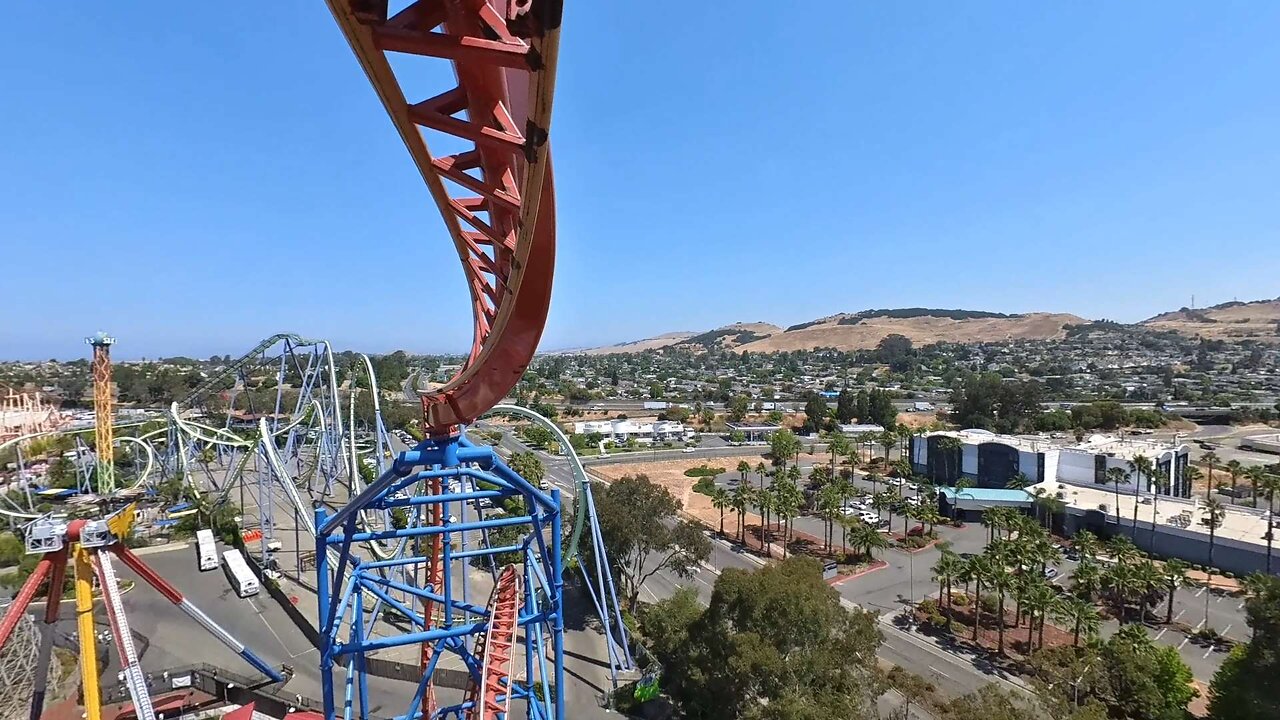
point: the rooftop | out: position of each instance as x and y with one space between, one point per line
1239 523
1119 446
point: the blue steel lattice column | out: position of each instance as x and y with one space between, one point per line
529 536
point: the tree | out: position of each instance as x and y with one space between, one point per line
639 524
788 499
721 501
1210 460
1255 474
846 406
773 644
1247 686
1081 615
945 571
738 408
866 539
815 411
1174 573
11 549
528 466
1214 513
783 446
1116 476
1270 485
739 499
1038 599
1235 470
667 622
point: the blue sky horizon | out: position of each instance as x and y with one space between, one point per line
192 180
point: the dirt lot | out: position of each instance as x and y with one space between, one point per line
670 475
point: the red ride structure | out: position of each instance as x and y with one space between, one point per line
496 197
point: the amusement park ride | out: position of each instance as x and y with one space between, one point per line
497 201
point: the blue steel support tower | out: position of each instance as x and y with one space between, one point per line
473 484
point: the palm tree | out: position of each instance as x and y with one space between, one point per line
865 538
948 446
721 501
1116 476
1146 577
1255 475
1139 465
1019 481
980 569
1081 615
1086 544
1001 582
1235 470
761 470
1162 485
945 571
1214 512
788 506
1120 580
1039 600
828 506
837 445
1175 576
739 498
874 478
1086 580
1270 485
888 440
744 468
1191 474
765 499
1210 459
883 501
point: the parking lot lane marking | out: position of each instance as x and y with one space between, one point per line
1206 653
1180 612
1199 624
1184 642
1161 633
1202 589
939 672
1224 632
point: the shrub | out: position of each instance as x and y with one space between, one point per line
989 603
938 622
704 471
960 600
705 486
928 606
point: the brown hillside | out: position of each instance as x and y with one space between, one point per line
652 343
868 332
1258 320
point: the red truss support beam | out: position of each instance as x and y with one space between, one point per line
491 697
496 196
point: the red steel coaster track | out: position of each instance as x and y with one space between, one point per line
491 697
496 197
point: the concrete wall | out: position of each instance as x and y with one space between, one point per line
1173 542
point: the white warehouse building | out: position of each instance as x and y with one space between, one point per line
991 460
620 431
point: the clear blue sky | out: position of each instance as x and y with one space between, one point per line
193 179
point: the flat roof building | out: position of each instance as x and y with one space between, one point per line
992 461
623 430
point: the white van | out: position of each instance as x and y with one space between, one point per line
206 550
243 581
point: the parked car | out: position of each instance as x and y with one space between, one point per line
1050 573
687 449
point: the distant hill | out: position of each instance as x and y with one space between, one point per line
652 343
1257 320
864 330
